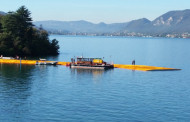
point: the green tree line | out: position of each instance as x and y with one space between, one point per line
18 36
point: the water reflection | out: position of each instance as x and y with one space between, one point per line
44 67
15 71
15 80
15 86
93 74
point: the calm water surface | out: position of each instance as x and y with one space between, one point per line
58 93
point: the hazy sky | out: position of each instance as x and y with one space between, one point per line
108 11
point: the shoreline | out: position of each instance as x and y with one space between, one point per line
73 35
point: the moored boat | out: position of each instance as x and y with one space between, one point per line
90 63
44 62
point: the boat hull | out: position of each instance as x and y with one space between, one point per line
46 63
92 67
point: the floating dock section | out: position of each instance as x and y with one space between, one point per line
144 67
32 62
130 67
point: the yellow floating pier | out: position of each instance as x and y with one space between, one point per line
143 67
33 62
131 67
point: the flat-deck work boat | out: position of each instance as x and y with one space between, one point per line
44 62
90 63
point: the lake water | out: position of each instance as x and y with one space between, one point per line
58 93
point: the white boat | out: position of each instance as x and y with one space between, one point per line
44 62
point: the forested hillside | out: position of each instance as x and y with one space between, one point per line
19 37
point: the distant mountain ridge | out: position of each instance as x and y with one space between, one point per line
173 21
2 13
170 22
80 26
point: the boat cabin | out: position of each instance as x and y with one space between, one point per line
88 61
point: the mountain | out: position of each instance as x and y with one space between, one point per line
2 13
173 21
140 25
170 22
80 26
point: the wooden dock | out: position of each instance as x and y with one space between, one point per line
130 67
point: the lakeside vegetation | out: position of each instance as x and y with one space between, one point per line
18 36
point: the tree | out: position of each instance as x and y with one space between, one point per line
24 17
9 23
1 24
54 47
19 37
6 45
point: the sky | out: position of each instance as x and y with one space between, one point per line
108 11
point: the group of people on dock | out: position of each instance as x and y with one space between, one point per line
16 57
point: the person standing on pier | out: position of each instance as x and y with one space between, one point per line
133 62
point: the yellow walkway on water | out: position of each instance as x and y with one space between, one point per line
13 61
131 67
143 67
33 62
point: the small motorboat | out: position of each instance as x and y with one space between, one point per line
44 62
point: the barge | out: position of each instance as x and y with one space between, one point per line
90 63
